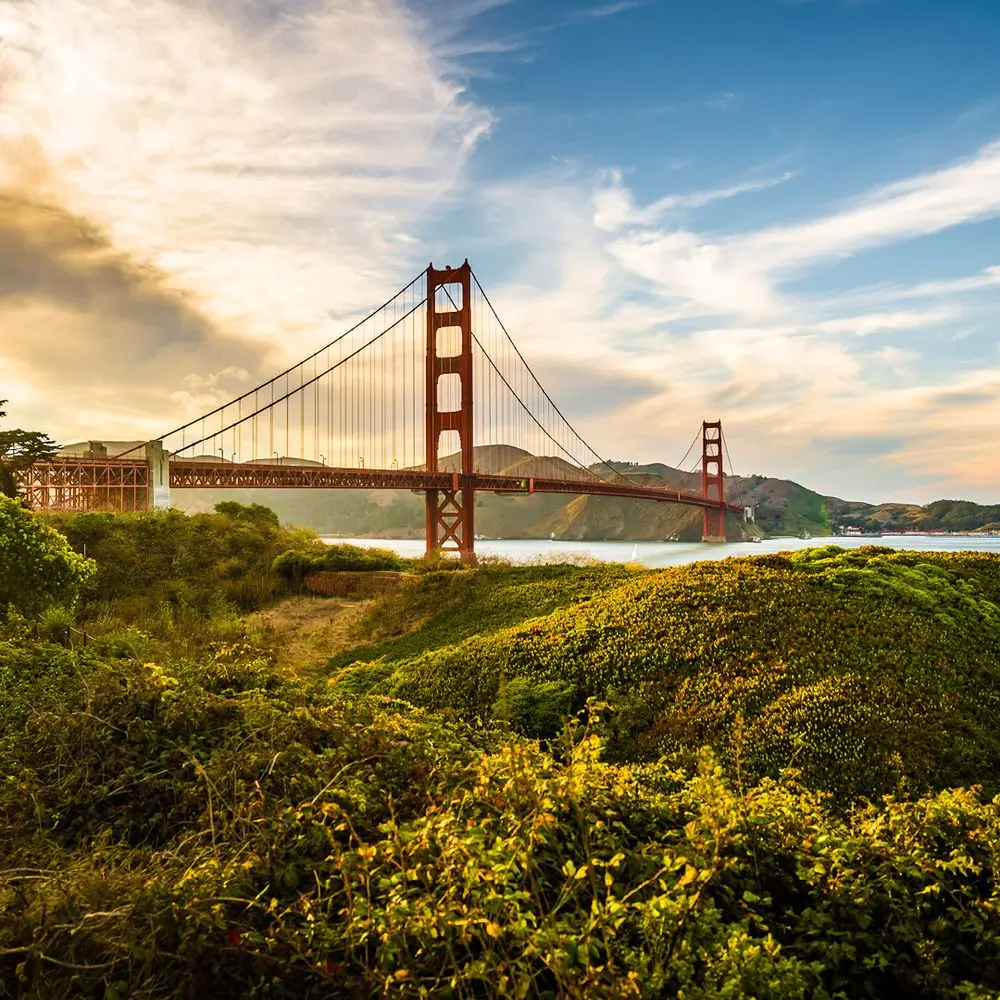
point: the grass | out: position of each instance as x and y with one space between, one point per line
446 608
303 631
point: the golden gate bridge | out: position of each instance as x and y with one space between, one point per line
427 393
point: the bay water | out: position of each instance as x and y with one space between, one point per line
659 554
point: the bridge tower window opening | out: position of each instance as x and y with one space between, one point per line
449 342
449 392
449 296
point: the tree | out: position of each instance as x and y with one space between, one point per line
38 568
255 513
19 450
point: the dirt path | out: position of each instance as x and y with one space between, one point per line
307 631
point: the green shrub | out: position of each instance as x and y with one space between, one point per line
129 643
207 825
255 513
445 608
204 562
293 566
55 623
256 844
536 709
37 566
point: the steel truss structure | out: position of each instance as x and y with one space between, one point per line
84 484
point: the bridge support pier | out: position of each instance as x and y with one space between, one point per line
158 483
450 522
712 484
450 514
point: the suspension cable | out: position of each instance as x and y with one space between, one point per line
287 371
298 388
680 465
732 469
596 454
513 392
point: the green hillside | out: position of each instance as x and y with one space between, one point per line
860 667
941 515
445 608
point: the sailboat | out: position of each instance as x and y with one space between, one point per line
635 553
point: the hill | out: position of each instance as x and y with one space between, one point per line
860 667
941 515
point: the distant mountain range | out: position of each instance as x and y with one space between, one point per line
782 507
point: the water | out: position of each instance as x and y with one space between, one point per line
658 554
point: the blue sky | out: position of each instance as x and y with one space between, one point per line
785 214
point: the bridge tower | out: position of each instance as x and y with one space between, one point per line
450 513
712 485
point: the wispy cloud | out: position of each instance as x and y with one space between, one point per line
865 324
459 37
615 207
710 323
742 273
263 159
611 9
985 281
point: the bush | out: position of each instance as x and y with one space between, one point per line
55 623
247 842
255 513
445 608
536 709
146 559
860 668
210 826
38 567
293 566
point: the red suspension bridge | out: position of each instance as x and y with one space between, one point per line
431 373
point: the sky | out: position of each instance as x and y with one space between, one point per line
784 214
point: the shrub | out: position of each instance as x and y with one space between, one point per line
144 559
536 709
252 845
208 826
293 566
255 513
129 643
55 623
860 667
37 566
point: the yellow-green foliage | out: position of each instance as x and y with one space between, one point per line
859 667
211 828
295 564
37 566
447 607
158 563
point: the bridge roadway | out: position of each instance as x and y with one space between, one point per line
209 475
70 473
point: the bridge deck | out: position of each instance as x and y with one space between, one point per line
75 474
